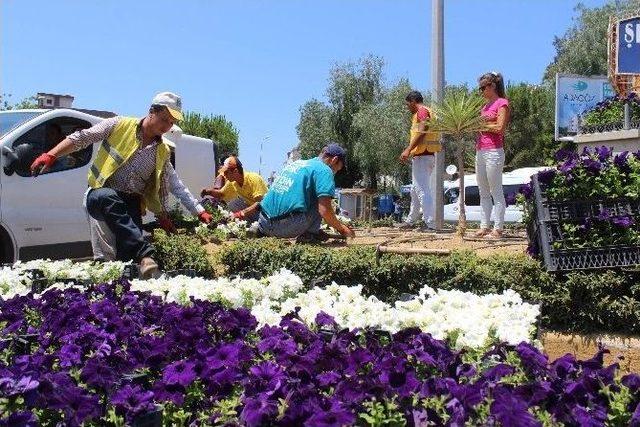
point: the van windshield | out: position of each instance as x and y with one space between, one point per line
11 119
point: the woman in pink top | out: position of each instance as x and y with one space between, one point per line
490 154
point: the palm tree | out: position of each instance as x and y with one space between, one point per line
459 117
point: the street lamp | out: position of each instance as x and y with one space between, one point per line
265 139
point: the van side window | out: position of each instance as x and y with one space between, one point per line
471 196
43 138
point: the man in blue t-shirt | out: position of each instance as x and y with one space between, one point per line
300 197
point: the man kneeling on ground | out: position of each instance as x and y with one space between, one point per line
300 197
242 191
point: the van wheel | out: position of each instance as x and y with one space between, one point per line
6 248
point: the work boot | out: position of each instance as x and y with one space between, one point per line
148 268
406 226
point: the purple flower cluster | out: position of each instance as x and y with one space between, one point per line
109 349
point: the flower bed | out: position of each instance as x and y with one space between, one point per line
467 320
584 302
109 355
585 213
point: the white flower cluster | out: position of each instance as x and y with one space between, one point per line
343 219
230 227
15 280
233 292
472 319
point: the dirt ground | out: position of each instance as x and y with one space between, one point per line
514 242
585 347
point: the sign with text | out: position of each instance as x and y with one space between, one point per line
574 95
628 46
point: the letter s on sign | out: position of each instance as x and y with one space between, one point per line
628 34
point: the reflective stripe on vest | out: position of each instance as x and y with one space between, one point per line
117 149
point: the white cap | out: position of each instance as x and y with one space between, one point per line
170 100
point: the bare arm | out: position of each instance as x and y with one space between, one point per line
325 208
63 148
504 115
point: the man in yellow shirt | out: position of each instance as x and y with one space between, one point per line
242 191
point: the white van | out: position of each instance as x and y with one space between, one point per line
43 217
511 183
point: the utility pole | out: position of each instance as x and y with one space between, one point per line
437 92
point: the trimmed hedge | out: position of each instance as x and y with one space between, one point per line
182 251
604 301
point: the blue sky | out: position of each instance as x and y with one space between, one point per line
257 62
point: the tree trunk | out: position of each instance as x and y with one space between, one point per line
462 217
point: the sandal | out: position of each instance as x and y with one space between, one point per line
494 235
481 233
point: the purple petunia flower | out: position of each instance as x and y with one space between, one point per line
592 166
20 419
603 153
331 418
532 359
564 154
257 411
132 400
632 381
546 176
70 355
568 166
510 411
621 162
97 373
181 372
622 221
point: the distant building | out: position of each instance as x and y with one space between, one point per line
52 100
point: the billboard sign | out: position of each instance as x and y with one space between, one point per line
628 46
574 95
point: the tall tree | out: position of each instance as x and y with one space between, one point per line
383 133
352 86
529 137
213 127
26 103
315 128
583 48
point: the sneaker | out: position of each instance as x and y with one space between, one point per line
428 227
148 268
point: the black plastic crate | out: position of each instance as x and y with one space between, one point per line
572 210
545 229
593 258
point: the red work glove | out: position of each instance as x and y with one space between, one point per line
167 225
43 162
239 215
205 217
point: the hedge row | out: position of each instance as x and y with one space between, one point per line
604 301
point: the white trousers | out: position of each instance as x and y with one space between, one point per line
421 189
489 166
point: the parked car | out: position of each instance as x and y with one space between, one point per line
511 183
43 217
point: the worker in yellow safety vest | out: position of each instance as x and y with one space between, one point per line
131 171
422 147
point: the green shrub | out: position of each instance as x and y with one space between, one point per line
604 301
180 251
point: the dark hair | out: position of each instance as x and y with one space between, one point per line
495 78
414 96
156 108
